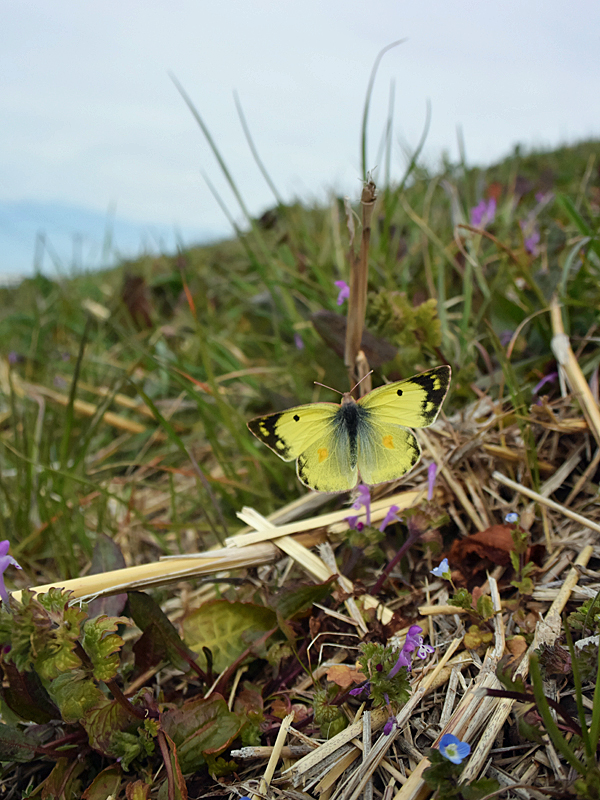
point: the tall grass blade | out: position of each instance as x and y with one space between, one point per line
365 117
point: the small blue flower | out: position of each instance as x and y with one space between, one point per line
442 570
453 749
298 342
5 561
344 293
512 518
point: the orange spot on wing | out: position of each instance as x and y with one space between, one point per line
323 453
388 441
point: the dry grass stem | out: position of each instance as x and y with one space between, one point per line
357 303
539 498
569 365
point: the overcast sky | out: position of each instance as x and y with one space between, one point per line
90 120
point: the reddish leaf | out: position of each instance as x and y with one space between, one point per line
494 544
107 556
26 696
200 727
179 788
102 722
249 700
160 639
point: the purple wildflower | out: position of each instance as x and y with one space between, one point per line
5 561
414 641
442 570
363 499
424 650
344 293
543 198
389 726
531 242
552 376
453 749
354 523
358 690
13 357
413 638
431 474
531 235
298 341
390 517
483 213
404 660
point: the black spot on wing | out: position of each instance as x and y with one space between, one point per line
435 385
265 428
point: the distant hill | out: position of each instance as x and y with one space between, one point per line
56 237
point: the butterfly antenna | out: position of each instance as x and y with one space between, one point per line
324 385
370 372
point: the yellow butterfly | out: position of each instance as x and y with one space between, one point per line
334 443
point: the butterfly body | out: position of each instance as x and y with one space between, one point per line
334 443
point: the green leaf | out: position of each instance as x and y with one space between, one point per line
18 745
129 746
63 781
227 630
582 226
103 721
102 645
463 599
42 631
514 560
75 694
105 785
54 644
478 789
199 728
485 607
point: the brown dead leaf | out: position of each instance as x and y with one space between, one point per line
280 708
495 544
516 646
344 676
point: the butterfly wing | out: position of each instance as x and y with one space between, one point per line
316 436
386 449
413 403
